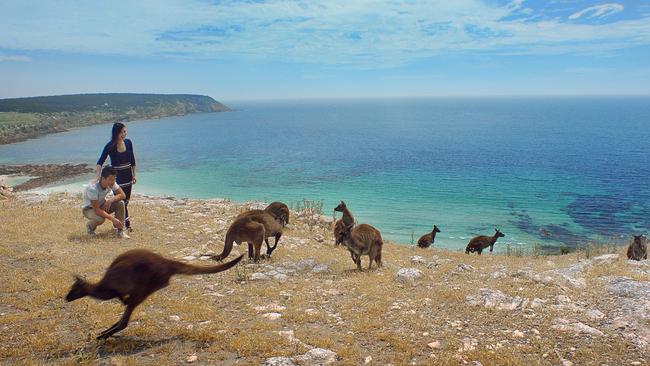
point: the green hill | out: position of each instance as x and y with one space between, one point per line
24 118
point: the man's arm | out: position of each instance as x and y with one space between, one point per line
99 211
118 195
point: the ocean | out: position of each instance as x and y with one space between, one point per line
551 171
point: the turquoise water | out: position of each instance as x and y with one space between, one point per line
552 171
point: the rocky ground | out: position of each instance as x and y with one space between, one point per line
308 304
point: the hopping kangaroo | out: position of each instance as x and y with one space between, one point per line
478 243
638 249
426 240
361 240
274 217
132 277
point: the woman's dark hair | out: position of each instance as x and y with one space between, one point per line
115 133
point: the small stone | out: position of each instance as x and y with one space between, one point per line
272 316
320 268
192 358
319 238
435 345
408 274
462 267
189 258
258 277
317 356
418 259
175 318
367 359
279 361
594 315
518 334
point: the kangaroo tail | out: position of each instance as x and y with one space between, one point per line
227 248
189 269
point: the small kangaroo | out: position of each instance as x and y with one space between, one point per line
478 243
274 217
132 277
638 249
348 219
426 240
361 240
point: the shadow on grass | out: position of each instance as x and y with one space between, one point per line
115 346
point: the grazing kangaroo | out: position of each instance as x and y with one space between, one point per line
274 217
339 228
361 240
638 249
132 277
426 240
348 219
246 229
279 210
478 243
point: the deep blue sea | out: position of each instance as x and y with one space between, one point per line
551 171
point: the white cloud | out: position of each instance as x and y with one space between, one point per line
14 58
342 33
598 11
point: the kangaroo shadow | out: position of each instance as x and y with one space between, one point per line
129 345
117 346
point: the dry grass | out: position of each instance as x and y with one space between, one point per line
355 314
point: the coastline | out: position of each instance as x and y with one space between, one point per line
81 122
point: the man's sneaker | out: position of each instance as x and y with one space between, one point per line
122 234
89 229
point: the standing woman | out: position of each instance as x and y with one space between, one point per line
120 149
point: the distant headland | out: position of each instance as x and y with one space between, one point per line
25 118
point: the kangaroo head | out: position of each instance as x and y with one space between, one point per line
498 234
341 232
638 239
340 207
280 211
435 229
77 291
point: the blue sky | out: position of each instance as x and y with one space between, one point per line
255 49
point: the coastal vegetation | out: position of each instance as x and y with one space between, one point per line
25 118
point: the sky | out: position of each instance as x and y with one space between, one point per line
257 50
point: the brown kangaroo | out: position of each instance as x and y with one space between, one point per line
361 240
426 240
132 277
348 219
279 210
638 249
244 229
273 225
478 243
339 227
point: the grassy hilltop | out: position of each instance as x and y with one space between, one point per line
308 304
25 118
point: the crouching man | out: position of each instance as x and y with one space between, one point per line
97 208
